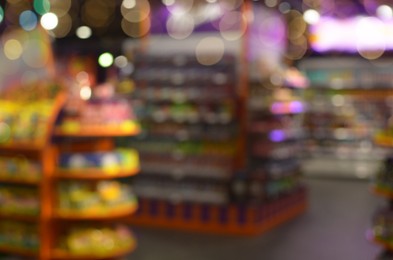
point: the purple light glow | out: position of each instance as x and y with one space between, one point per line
277 136
352 34
296 107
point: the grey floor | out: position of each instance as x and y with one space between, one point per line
333 228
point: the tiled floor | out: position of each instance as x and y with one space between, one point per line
332 229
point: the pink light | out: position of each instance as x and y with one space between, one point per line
292 107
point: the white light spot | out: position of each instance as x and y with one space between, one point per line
49 21
83 32
384 12
311 16
129 4
85 93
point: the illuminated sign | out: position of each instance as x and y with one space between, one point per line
355 34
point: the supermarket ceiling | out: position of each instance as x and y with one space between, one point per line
122 18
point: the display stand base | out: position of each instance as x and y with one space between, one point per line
226 220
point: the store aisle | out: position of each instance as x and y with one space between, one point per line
333 228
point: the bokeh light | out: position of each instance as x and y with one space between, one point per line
370 45
181 7
83 32
129 3
313 4
230 25
230 5
121 61
64 27
85 92
60 7
271 3
138 12
82 77
384 12
49 21
98 13
28 20
210 50
284 7
35 53
105 60
298 50
128 70
311 16
296 27
41 6
180 26
13 49
1 14
135 29
13 11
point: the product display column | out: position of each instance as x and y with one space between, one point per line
188 146
275 137
91 182
27 116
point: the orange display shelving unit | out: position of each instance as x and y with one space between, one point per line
50 221
41 151
91 139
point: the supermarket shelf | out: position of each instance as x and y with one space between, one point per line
344 168
22 147
98 131
108 214
383 192
13 180
361 92
18 251
94 174
63 255
19 217
225 219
